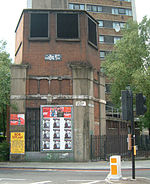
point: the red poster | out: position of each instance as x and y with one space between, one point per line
46 112
67 112
67 109
17 119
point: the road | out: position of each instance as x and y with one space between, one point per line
46 176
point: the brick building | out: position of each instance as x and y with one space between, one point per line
56 86
59 69
111 16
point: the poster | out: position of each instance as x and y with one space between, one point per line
17 143
56 128
17 119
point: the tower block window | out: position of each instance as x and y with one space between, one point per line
39 25
67 26
92 33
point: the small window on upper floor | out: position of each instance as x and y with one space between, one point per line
76 6
118 24
71 6
116 38
121 11
99 9
39 25
115 11
94 8
82 7
101 39
122 25
102 54
101 23
67 26
92 32
128 12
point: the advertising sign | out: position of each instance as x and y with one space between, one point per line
17 119
56 128
17 143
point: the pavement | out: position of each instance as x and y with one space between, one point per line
104 165
100 165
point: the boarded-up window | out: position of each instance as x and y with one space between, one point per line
67 26
39 25
92 33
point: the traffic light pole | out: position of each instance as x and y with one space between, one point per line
128 115
132 136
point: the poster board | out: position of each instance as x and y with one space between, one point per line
17 143
56 128
17 119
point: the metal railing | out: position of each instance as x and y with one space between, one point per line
112 112
102 147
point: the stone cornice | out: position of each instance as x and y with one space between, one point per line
57 97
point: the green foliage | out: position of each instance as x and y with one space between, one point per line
4 75
4 151
4 84
129 63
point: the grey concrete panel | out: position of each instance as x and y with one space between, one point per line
18 86
17 128
18 71
62 4
102 106
49 156
83 115
19 106
18 157
48 4
102 119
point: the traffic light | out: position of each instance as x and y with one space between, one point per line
126 100
140 104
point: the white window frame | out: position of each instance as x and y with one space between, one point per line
101 38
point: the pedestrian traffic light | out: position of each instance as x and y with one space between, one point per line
126 100
140 104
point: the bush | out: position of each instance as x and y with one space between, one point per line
4 151
2 139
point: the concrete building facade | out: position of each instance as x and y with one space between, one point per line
57 68
47 4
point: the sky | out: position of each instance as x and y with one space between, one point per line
10 11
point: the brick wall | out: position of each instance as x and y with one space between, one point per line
48 79
35 51
103 2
